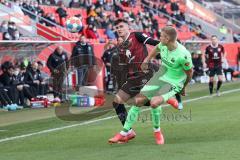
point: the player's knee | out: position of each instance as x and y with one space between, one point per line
118 99
220 78
156 101
154 104
140 100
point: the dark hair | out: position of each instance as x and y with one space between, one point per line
214 36
39 63
120 21
7 65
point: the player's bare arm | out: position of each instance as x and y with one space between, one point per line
189 74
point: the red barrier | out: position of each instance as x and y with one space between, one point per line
232 51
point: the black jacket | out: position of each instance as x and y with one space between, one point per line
82 54
57 62
6 79
29 76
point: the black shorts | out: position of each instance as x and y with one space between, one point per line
134 84
215 70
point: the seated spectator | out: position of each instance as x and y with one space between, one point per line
4 27
109 32
84 3
12 28
25 91
7 80
26 6
125 3
7 36
223 29
118 9
61 11
100 11
199 32
74 4
174 6
33 78
91 32
163 9
39 11
197 65
108 6
137 25
91 11
16 35
90 20
182 17
51 20
99 3
105 21
5 100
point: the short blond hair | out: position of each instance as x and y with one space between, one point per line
171 32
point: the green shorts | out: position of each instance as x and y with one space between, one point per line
157 86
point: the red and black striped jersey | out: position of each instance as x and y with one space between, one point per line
133 50
214 55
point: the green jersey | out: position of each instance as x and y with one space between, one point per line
175 62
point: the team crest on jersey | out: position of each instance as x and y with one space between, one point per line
219 49
185 57
173 60
144 81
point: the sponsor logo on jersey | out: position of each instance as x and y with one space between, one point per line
144 35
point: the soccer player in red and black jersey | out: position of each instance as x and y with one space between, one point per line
213 57
132 52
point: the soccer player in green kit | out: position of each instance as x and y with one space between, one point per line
174 75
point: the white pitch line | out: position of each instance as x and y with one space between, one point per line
2 130
97 120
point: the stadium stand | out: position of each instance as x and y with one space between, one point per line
173 9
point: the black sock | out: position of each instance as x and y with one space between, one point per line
121 112
219 84
211 87
147 103
178 97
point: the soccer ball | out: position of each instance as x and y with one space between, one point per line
74 24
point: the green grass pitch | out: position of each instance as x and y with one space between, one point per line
207 128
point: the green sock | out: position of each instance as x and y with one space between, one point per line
155 113
131 118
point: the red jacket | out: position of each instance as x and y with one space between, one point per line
90 34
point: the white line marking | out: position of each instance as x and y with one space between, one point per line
2 130
97 120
